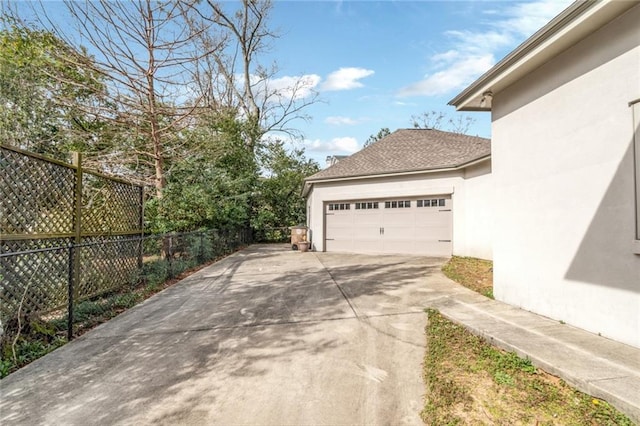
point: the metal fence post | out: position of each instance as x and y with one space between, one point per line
74 255
201 250
70 294
169 255
141 227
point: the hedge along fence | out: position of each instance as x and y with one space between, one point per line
168 255
280 234
65 233
120 272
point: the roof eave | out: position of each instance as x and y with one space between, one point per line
473 162
579 19
308 183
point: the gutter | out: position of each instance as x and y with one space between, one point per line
308 183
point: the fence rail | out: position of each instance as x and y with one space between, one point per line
42 198
107 266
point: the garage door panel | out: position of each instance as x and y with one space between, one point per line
427 214
339 245
435 236
393 226
429 229
369 220
368 232
339 224
430 225
399 232
392 217
357 245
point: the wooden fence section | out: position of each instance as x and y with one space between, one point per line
51 216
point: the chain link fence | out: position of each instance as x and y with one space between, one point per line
272 235
108 267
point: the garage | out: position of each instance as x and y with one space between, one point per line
411 225
397 195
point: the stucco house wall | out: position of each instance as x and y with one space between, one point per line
562 148
478 215
435 183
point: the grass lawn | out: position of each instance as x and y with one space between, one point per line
476 274
470 382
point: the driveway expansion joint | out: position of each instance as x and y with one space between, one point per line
344 295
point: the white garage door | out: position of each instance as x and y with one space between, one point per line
422 225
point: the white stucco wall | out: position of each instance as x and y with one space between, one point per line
453 183
478 213
564 186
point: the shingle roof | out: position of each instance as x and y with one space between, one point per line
408 150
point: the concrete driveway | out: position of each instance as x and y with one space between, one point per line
266 336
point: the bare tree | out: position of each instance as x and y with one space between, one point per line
142 48
460 124
231 77
170 65
434 120
428 120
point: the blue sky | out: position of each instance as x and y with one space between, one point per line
375 64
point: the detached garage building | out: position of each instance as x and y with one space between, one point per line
416 191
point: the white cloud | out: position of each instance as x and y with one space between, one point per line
479 43
445 57
339 121
346 78
527 18
400 103
292 87
474 52
342 145
457 74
